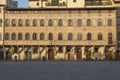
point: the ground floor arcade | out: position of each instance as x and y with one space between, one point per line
30 52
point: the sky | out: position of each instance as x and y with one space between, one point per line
22 3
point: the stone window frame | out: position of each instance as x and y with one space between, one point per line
13 36
7 36
20 22
50 23
42 36
70 36
89 36
27 22
42 22
100 37
89 22
7 22
60 23
79 22
27 36
60 36
79 36
34 36
20 36
13 22
50 36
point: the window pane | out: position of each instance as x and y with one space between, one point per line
60 23
50 22
70 36
34 22
7 22
20 36
42 36
27 36
20 22
70 23
6 36
0 36
88 22
109 22
60 35
79 22
99 36
89 36
50 36
13 36
79 36
41 22
34 36
27 22
99 22
0 22
13 22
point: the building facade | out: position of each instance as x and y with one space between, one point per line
60 29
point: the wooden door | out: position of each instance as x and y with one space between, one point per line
108 56
51 54
88 55
68 56
79 55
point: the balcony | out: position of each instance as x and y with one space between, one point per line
98 2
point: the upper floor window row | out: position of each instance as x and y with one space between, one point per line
50 36
51 22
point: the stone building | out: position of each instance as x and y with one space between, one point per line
60 29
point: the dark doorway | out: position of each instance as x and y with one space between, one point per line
8 55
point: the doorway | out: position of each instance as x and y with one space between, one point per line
50 54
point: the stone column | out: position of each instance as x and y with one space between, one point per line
55 54
46 54
4 53
72 53
39 52
83 52
64 52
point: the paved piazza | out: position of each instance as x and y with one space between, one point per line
60 70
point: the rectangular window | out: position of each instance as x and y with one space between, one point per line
74 0
118 21
0 10
0 22
37 3
60 49
118 36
